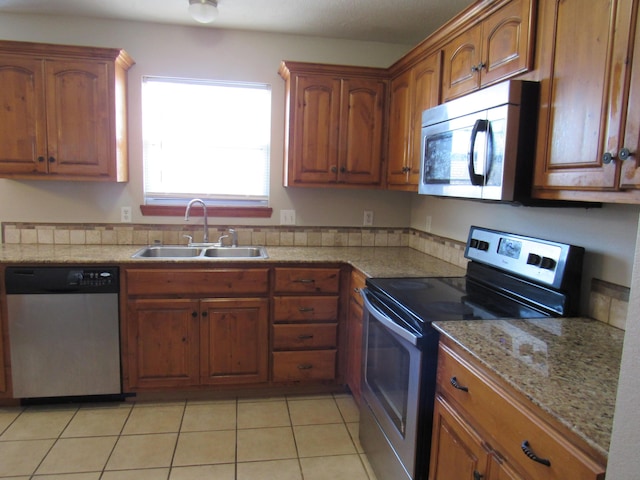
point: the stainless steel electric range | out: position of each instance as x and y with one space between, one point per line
508 276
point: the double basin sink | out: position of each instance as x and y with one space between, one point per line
204 252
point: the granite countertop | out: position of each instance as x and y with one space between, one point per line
567 367
372 261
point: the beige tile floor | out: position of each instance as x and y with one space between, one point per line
283 438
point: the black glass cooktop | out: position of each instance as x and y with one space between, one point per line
448 298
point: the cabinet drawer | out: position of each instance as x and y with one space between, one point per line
305 309
509 423
312 365
307 280
198 281
305 336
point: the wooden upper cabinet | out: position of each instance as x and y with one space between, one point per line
334 124
399 143
77 117
362 121
412 92
589 129
498 47
64 111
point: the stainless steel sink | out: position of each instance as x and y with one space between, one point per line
235 252
168 251
200 253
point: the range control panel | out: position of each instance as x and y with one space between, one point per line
545 262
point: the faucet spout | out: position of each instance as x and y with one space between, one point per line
204 208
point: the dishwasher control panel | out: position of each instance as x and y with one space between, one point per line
91 277
85 279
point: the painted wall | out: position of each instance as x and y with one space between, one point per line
196 52
625 441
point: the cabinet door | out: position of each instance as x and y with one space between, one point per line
457 451
506 42
630 177
461 58
78 117
400 125
234 341
581 101
426 94
499 470
354 349
412 92
361 124
163 343
314 130
22 116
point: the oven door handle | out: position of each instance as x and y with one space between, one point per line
387 322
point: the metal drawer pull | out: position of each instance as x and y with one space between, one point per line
477 475
454 382
526 448
305 366
305 336
304 280
305 309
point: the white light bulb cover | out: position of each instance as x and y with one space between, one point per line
203 11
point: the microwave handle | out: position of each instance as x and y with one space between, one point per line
481 125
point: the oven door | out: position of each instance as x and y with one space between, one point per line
391 390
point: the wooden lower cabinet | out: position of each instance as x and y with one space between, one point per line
484 430
192 327
163 343
234 341
184 342
354 335
457 451
305 325
304 366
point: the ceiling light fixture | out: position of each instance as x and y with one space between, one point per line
203 11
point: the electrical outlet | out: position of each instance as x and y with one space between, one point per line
125 214
367 221
427 223
287 217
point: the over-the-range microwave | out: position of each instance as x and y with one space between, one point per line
482 146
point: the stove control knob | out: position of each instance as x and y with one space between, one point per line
473 243
533 259
482 245
548 263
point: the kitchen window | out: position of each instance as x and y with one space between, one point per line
205 139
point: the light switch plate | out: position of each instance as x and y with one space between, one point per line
287 217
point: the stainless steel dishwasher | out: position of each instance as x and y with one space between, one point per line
63 331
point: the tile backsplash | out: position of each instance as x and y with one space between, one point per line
608 302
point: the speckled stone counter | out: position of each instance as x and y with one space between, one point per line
567 367
373 261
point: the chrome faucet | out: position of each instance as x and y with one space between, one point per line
234 237
206 225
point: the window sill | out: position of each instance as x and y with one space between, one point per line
237 212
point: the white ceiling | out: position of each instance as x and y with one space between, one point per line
393 21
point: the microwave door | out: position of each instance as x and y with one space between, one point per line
445 162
